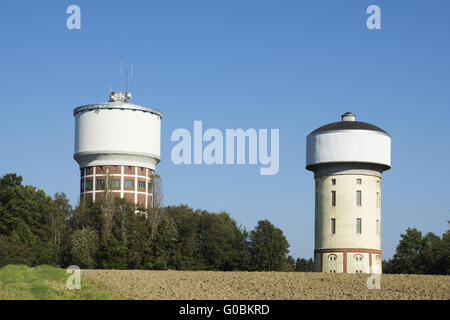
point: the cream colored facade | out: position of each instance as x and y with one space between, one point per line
348 197
346 211
336 221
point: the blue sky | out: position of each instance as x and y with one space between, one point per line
291 65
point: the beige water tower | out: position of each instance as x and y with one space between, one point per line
348 158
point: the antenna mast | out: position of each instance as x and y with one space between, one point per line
128 75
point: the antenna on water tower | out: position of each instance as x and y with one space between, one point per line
128 75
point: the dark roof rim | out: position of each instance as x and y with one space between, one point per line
348 125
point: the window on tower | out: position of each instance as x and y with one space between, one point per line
141 184
358 197
333 225
332 263
358 264
378 199
333 198
333 181
129 184
116 183
99 183
358 225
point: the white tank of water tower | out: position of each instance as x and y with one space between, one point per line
121 141
348 158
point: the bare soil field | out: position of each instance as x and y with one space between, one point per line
206 285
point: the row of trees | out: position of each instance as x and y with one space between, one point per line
36 229
420 254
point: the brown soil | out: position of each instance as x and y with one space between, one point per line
204 285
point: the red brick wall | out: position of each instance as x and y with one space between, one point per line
129 197
128 170
116 175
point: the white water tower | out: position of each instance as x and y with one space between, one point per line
348 158
123 139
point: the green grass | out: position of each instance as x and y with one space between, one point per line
19 282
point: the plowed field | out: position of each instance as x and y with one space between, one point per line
143 284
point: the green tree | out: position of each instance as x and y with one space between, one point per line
303 265
112 254
443 263
24 218
165 250
290 264
87 214
417 254
185 221
208 241
14 253
406 258
57 218
138 242
84 247
220 241
268 247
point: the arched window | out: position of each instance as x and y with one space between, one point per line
358 257
358 263
332 258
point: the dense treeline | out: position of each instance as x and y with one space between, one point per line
417 254
36 229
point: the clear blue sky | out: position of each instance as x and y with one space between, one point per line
292 65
